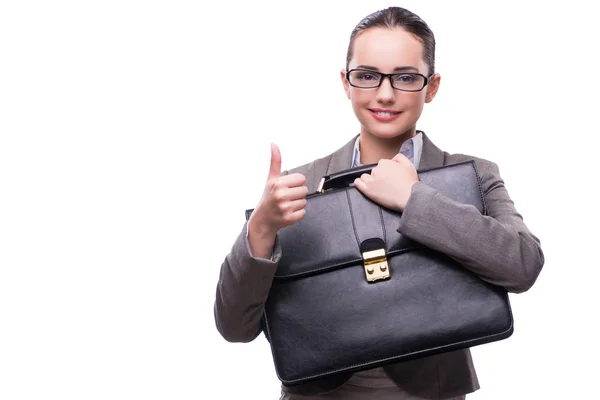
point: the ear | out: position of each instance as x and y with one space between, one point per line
432 87
345 82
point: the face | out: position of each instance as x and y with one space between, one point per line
386 112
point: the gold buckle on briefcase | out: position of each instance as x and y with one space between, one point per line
376 265
320 186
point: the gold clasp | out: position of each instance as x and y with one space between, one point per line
320 186
376 265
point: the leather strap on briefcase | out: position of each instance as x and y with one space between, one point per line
351 293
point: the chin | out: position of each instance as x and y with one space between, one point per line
389 132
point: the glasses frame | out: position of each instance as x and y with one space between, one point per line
389 76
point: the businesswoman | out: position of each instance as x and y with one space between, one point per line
389 77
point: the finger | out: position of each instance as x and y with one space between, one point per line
296 193
400 158
367 178
295 216
291 180
360 184
379 167
296 205
275 167
290 194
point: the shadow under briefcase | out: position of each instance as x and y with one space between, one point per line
351 293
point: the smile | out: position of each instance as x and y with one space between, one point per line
386 115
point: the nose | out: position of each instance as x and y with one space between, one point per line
386 94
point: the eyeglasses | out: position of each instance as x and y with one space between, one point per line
405 81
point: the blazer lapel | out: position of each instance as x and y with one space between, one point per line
431 156
341 159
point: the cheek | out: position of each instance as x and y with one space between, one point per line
417 98
414 101
360 97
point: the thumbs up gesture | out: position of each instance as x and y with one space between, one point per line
283 203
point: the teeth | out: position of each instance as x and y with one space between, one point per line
384 114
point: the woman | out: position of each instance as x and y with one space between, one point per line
389 76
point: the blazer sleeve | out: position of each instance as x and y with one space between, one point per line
242 290
498 247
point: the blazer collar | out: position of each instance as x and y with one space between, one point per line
431 156
341 159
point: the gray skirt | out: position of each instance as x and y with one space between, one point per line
350 392
365 385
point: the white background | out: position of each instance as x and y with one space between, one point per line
131 144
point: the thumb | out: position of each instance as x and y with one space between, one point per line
275 169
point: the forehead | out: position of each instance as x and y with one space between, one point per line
388 49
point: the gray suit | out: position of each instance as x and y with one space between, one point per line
498 247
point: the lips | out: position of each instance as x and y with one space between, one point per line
384 114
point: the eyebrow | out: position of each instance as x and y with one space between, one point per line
397 69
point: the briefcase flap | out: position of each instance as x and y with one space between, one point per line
337 223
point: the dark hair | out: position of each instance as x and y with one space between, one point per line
397 17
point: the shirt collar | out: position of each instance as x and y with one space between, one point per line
417 142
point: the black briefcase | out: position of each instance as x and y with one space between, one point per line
351 293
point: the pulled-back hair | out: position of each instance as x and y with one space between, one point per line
397 17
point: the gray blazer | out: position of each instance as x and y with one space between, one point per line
499 248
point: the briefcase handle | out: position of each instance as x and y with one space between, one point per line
343 179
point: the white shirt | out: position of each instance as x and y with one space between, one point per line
417 143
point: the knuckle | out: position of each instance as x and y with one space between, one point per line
281 208
272 185
279 195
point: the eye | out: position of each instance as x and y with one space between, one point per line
405 79
365 76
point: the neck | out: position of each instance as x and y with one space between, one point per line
373 148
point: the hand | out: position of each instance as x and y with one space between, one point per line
390 182
283 203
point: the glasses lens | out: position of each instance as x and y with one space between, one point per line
408 81
364 79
